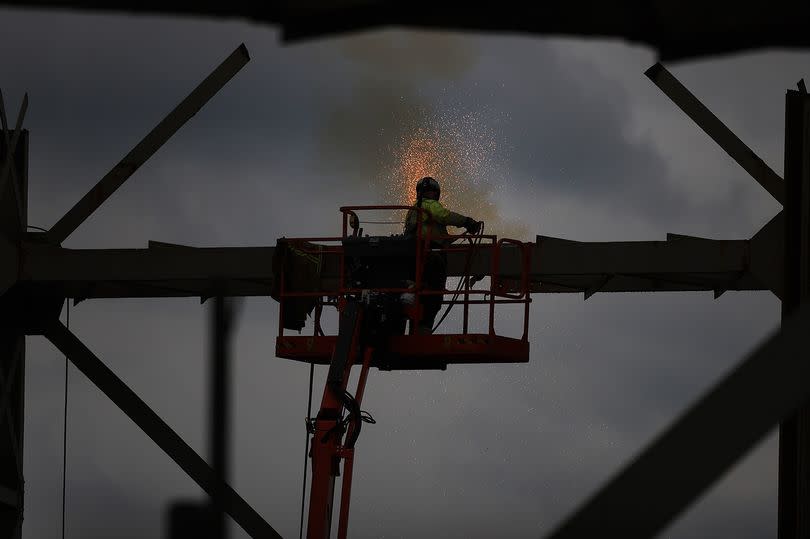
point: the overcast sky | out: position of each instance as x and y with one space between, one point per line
565 138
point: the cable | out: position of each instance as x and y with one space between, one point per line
37 228
306 451
354 415
474 243
64 433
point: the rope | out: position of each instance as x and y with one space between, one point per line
306 451
64 433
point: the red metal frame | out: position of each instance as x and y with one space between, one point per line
413 350
326 450
290 347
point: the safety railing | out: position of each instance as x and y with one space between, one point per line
501 290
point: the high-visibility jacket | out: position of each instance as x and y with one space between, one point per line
435 219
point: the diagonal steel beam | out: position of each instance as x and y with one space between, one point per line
149 145
710 436
154 427
718 131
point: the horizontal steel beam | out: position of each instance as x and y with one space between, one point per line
687 282
45 263
556 265
552 256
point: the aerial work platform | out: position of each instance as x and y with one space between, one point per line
385 273
379 297
420 352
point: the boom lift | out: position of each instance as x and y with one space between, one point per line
377 298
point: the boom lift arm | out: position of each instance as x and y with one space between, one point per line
378 295
328 446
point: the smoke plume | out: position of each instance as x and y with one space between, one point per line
402 120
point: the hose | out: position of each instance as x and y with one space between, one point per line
465 278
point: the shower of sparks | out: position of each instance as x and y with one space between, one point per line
460 151
457 151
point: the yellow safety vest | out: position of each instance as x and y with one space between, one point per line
435 219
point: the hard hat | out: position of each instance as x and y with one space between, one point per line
428 184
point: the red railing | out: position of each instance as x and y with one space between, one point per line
498 293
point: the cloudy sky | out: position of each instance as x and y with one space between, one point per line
561 137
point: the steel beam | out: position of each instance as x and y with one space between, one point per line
588 284
145 265
9 168
9 262
149 145
12 220
154 427
12 384
794 433
768 255
655 487
675 30
9 498
222 328
556 266
718 131
555 257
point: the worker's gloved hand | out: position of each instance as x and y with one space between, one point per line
472 226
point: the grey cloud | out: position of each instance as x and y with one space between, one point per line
471 452
259 120
384 94
571 137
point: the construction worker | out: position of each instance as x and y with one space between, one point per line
435 219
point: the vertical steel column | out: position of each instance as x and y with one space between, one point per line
794 432
12 344
12 384
220 401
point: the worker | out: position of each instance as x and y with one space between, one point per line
435 219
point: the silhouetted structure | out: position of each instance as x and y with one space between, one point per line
37 275
676 30
204 519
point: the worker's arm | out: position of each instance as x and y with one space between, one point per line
442 215
410 221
